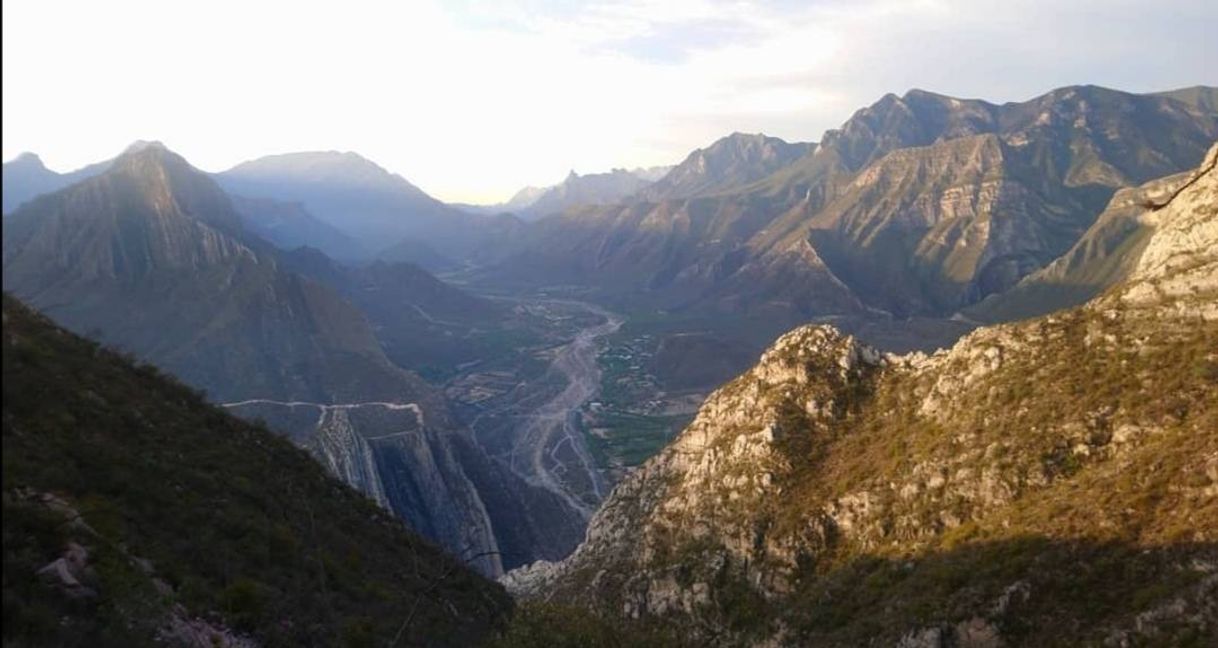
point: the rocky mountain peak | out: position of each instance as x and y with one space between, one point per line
155 153
168 184
149 212
341 168
746 144
918 118
728 466
27 159
729 163
803 355
344 189
525 197
139 145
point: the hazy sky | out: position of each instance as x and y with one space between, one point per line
472 100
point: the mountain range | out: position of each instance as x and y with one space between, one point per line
913 177
617 185
1049 482
832 494
376 208
918 205
26 177
150 256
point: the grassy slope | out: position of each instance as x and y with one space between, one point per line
245 528
1113 533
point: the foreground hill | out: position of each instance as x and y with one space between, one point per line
1052 482
136 514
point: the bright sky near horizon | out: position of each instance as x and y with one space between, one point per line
473 100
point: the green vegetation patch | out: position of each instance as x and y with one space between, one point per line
625 439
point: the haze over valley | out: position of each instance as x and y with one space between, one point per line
942 374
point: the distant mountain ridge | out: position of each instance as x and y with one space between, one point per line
918 205
575 190
289 226
1049 167
591 189
26 177
377 208
518 202
1202 97
730 163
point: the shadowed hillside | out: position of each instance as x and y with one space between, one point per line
136 514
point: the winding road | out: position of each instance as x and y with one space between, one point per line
324 408
548 449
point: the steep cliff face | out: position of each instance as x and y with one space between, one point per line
432 475
1102 257
1180 263
979 496
940 225
389 452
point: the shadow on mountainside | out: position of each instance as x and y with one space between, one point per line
137 514
1023 591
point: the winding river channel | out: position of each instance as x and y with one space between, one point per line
548 448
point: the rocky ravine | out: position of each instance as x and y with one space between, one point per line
1048 482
